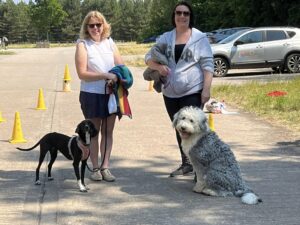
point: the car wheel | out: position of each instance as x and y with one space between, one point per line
220 67
293 63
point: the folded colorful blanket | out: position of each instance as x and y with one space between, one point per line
120 89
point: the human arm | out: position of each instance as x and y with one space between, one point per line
157 50
117 56
162 69
207 81
207 65
81 66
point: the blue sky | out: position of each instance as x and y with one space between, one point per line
17 1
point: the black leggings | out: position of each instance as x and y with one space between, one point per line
173 105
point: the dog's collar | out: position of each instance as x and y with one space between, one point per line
69 147
78 139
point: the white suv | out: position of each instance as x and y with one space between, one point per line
276 47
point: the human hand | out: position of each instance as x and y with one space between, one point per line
164 70
205 96
112 77
110 83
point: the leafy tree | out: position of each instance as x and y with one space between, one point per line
294 15
115 19
46 14
126 27
142 15
160 16
3 19
69 30
18 20
135 20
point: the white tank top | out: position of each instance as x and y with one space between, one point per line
100 58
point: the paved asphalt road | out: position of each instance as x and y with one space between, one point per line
144 153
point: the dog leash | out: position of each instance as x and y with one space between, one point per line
105 140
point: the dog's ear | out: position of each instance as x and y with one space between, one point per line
94 131
175 119
77 129
203 124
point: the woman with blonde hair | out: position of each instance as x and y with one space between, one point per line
96 54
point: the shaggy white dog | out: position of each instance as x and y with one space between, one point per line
217 171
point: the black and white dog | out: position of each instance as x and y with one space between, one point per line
74 148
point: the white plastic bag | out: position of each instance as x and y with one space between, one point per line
112 104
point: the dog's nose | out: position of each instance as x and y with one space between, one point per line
182 128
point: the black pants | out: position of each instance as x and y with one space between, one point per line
173 105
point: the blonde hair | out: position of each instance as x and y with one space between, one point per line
84 34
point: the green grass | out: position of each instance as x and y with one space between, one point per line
125 48
6 52
132 48
252 97
25 45
33 45
137 62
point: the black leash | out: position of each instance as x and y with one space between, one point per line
105 146
105 143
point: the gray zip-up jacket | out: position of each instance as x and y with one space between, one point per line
186 77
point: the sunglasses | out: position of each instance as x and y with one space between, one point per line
184 13
92 25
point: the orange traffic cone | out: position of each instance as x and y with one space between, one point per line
41 102
67 79
17 135
211 122
150 88
1 118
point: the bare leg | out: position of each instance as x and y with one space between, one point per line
107 139
94 148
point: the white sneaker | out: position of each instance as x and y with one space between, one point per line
107 176
96 176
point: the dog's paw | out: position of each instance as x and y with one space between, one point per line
210 192
50 178
86 187
38 182
198 188
82 187
83 190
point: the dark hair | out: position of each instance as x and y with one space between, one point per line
191 13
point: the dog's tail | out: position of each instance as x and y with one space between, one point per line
29 149
250 198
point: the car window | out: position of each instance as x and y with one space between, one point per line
252 37
230 32
291 33
232 37
273 35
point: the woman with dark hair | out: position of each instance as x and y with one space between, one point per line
188 74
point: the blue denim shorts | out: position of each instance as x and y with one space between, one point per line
94 105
